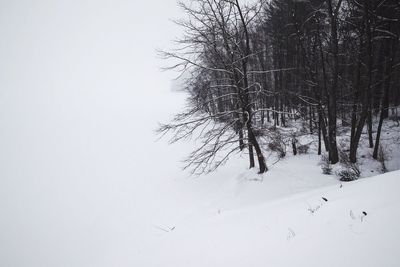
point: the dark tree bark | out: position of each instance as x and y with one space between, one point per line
384 109
332 90
246 105
367 94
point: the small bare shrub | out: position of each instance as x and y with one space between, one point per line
382 159
395 118
304 128
346 175
349 173
303 149
277 145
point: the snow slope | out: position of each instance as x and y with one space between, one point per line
298 230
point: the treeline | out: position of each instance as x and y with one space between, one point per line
250 67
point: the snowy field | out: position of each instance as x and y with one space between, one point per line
83 181
349 225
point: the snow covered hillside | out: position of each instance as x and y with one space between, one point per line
84 181
354 224
294 217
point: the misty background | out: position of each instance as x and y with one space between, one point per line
81 93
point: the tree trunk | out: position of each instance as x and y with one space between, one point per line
367 95
354 118
384 110
319 137
369 128
251 154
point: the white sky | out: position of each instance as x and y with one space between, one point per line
80 96
74 71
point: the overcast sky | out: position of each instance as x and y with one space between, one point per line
68 67
80 96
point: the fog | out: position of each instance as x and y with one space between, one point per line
82 178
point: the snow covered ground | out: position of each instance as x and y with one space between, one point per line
354 224
83 181
294 216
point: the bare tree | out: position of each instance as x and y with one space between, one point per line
255 69
216 50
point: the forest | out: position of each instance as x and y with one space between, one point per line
265 73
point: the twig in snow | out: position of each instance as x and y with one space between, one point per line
163 229
291 234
